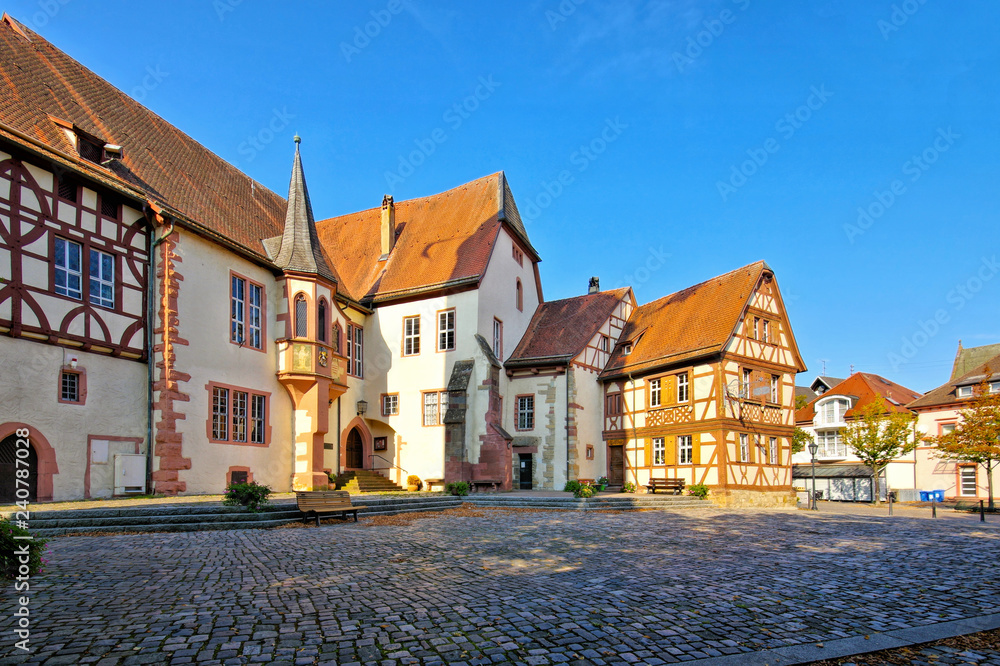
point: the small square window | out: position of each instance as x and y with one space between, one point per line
390 404
69 389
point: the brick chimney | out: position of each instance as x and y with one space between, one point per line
595 285
388 226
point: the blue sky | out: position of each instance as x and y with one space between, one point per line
852 145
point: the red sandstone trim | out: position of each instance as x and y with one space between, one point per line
47 466
168 442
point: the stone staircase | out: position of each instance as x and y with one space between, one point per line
599 503
365 481
198 517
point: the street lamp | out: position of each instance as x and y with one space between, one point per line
813 450
362 407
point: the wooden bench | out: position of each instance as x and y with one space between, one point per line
430 483
320 503
485 484
675 485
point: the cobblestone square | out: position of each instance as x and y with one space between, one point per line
485 587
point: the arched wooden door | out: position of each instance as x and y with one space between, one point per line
355 450
8 471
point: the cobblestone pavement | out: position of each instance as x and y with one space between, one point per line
487 587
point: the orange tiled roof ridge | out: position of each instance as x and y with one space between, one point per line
866 387
441 241
693 322
560 330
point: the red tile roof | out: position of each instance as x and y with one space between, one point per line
442 241
37 81
865 387
560 330
691 323
944 395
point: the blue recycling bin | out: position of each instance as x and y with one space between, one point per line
925 496
937 495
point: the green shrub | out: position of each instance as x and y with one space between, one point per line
698 490
459 488
571 486
585 491
413 480
251 495
10 560
629 487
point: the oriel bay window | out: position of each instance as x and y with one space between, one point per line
355 351
238 416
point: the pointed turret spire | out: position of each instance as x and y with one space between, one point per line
300 249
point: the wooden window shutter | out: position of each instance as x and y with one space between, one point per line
670 443
669 390
696 448
648 459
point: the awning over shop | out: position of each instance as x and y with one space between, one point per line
832 472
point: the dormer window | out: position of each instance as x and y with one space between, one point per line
833 411
626 349
89 149
964 392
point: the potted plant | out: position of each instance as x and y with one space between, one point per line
413 483
602 483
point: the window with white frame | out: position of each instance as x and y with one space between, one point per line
102 279
744 447
765 331
654 393
833 411
604 344
831 444
947 428
435 405
446 330
390 404
745 389
967 481
772 450
525 412
775 388
659 451
411 336
682 387
355 351
245 319
685 450
964 392
756 327
238 416
68 273
498 339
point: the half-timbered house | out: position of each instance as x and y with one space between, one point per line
700 387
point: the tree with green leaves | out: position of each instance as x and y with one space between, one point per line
801 401
976 437
879 436
801 439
